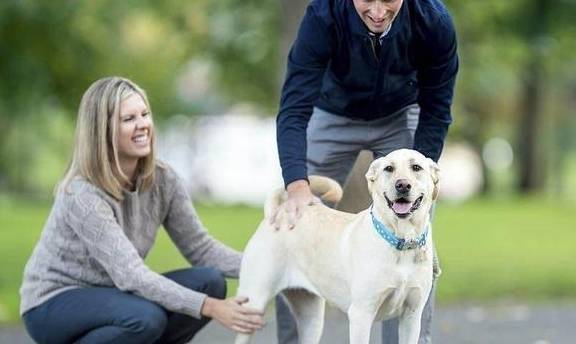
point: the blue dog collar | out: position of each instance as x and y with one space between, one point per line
399 244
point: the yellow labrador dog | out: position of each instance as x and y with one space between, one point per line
373 265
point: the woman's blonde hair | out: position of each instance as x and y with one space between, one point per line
95 156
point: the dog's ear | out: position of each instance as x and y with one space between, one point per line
435 174
372 173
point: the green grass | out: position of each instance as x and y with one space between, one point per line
513 248
507 248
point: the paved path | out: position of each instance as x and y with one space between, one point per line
461 324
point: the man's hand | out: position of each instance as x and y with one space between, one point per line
233 315
299 197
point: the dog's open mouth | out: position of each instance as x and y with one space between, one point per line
402 207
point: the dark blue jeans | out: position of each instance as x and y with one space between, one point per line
108 315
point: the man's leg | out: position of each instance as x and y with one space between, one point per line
426 322
286 329
332 149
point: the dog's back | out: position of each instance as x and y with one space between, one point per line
328 190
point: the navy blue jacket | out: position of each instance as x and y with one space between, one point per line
332 66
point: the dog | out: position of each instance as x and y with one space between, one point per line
373 265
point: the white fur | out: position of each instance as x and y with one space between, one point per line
339 257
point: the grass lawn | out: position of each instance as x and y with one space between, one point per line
513 248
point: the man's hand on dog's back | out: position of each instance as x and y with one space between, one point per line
299 197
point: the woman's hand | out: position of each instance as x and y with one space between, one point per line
232 314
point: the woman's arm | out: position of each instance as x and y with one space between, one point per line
189 235
187 232
94 222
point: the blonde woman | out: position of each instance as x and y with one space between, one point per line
86 281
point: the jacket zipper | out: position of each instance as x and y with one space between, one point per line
374 50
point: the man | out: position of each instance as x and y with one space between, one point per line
363 74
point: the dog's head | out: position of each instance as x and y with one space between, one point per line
405 180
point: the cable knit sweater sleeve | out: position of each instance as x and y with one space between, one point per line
187 232
94 222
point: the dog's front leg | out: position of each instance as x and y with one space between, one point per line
411 316
361 317
409 326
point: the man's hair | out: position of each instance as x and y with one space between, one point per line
95 156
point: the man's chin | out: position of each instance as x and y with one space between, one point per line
376 28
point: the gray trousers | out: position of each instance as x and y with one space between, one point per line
334 143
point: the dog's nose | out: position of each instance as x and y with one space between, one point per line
403 186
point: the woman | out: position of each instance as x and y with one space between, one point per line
86 280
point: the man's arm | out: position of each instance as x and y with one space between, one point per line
436 77
307 62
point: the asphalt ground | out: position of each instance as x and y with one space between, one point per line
501 323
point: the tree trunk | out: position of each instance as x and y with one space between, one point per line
475 132
531 162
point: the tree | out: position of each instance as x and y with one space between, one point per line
512 53
52 50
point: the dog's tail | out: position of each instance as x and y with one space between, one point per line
328 190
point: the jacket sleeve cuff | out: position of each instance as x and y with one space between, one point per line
293 174
195 306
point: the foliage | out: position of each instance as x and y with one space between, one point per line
489 248
517 79
52 50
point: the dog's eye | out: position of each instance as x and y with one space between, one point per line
389 168
416 168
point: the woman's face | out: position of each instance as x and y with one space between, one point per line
377 14
134 130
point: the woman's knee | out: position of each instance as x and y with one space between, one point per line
215 283
147 320
203 279
33 324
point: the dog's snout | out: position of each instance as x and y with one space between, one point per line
403 186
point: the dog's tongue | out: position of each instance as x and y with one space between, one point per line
401 207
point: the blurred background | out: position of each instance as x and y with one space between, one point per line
505 228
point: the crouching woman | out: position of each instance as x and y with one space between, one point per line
86 280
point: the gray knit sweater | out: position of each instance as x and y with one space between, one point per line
91 239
